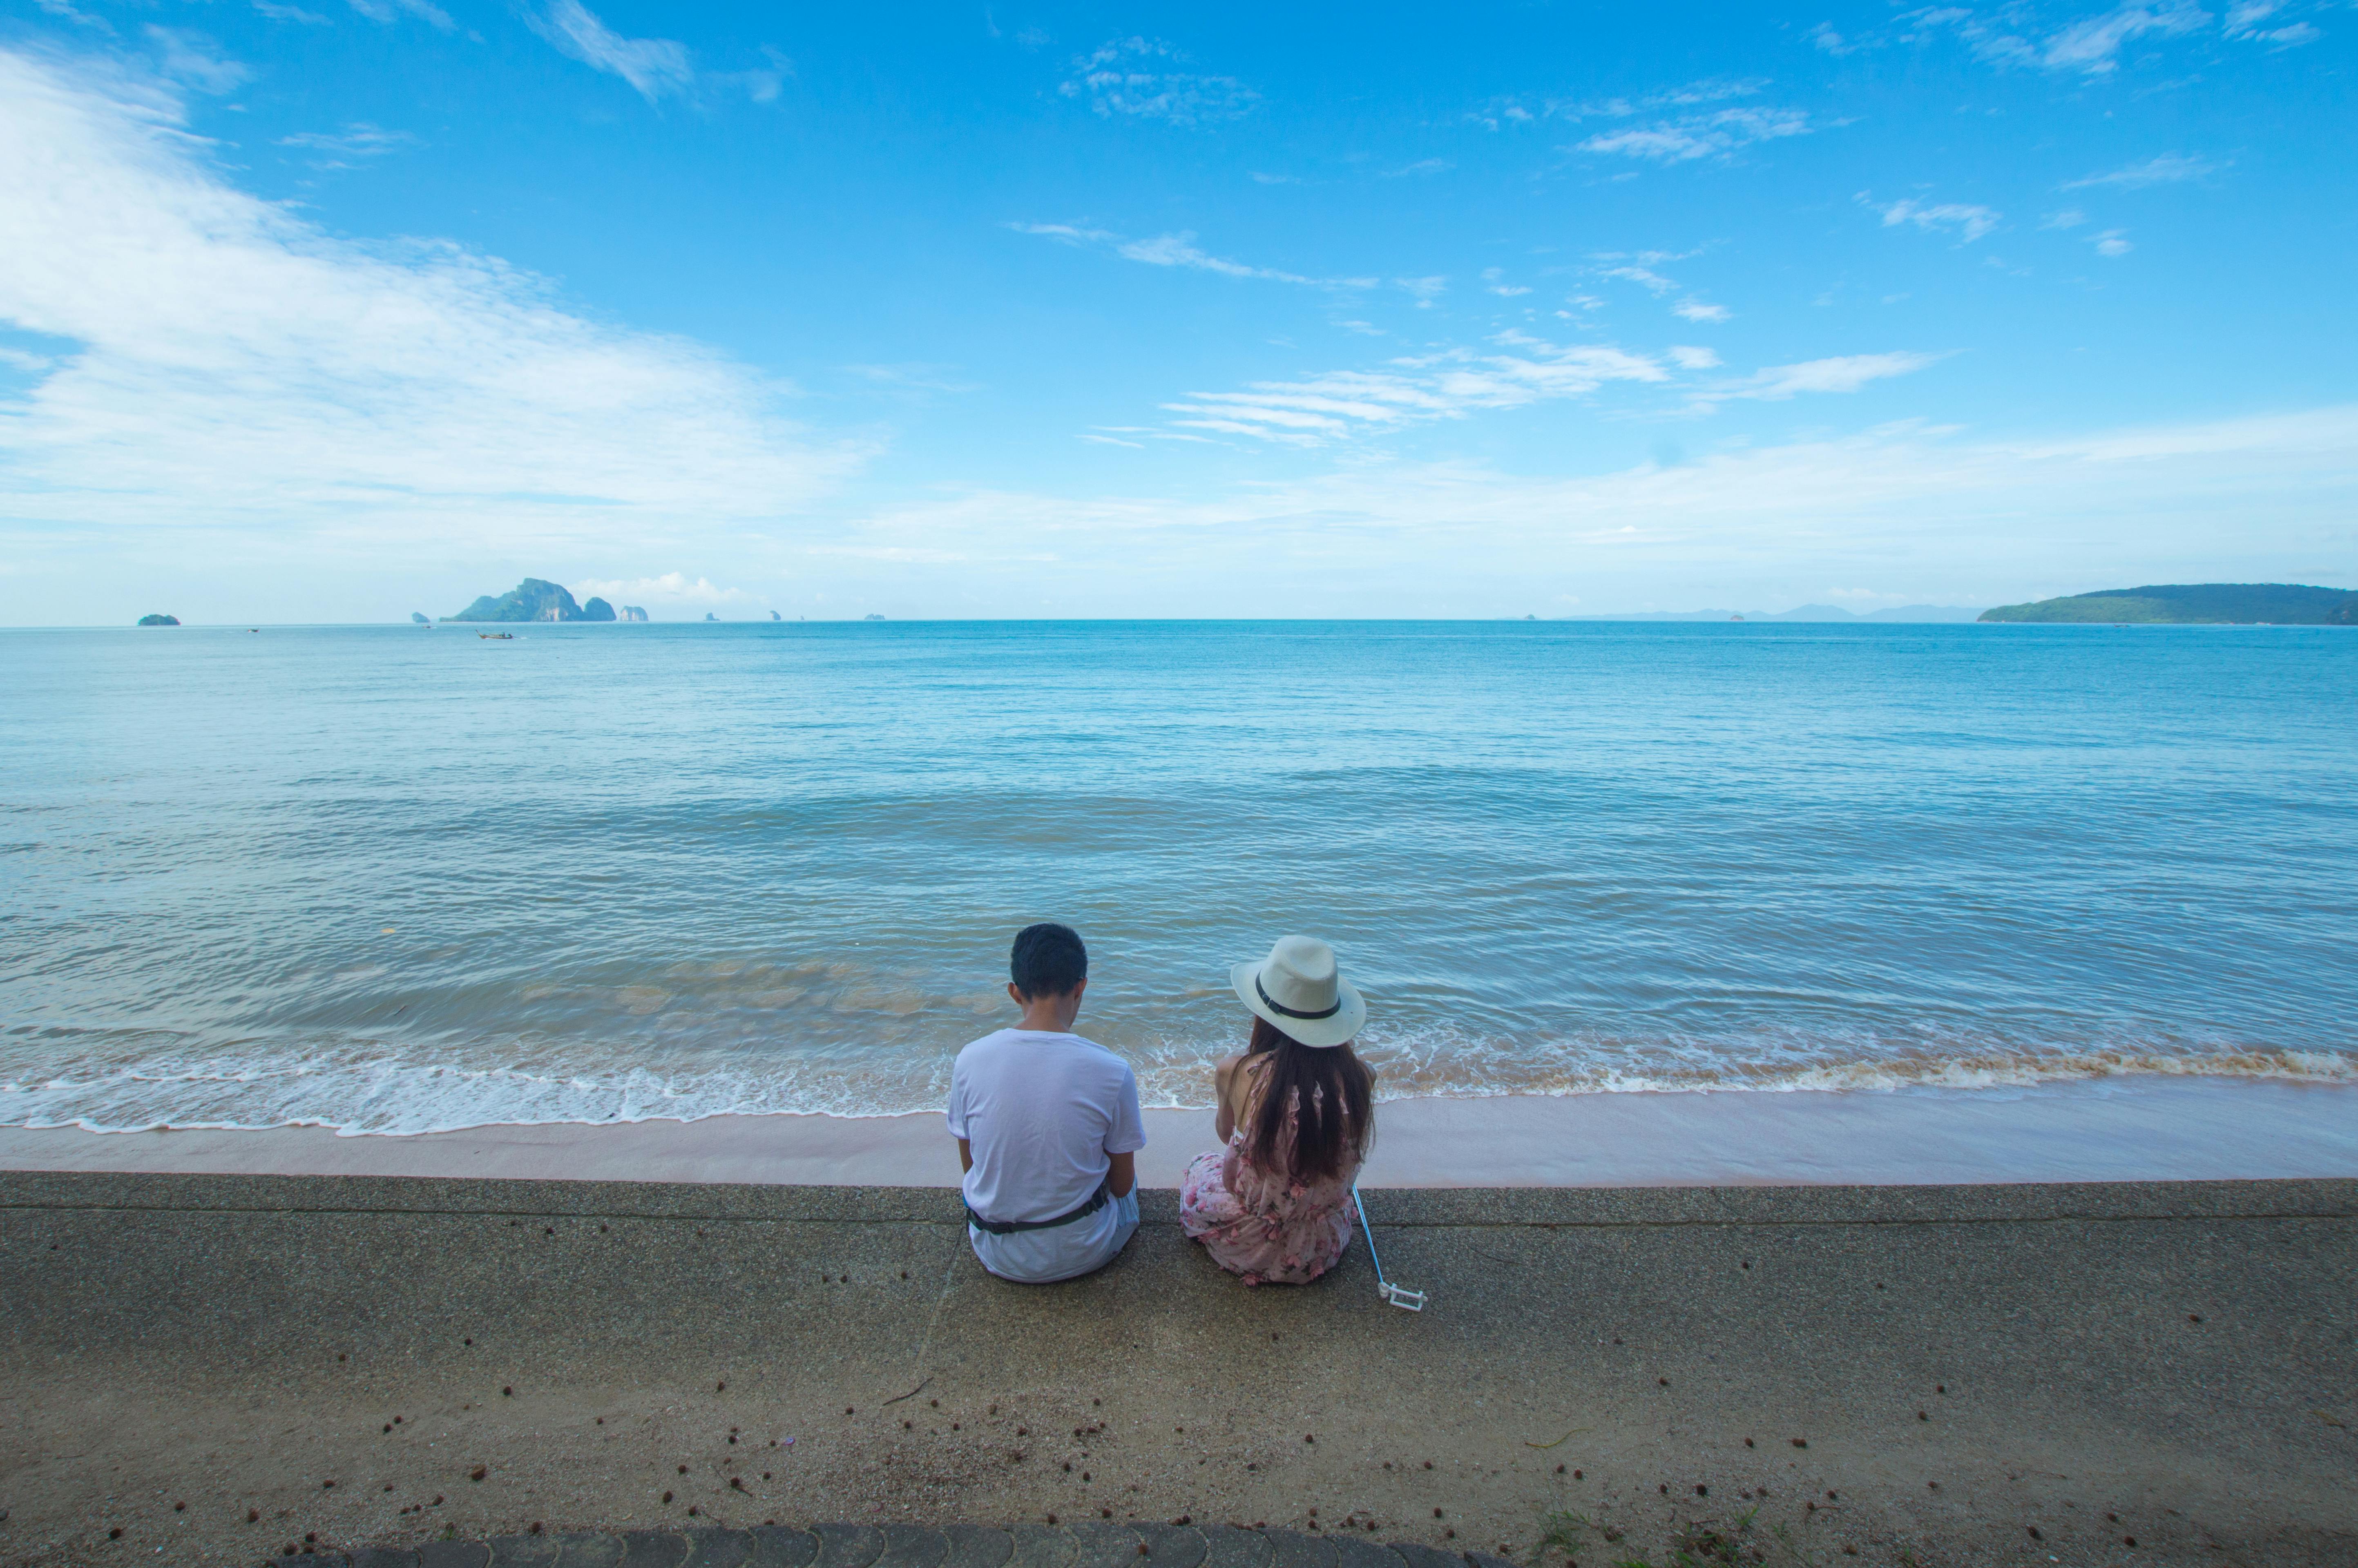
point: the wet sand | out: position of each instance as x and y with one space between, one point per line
2130 1128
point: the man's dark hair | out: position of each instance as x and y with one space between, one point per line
1047 960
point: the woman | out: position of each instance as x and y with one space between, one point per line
1275 1205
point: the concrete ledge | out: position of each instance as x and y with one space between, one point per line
2330 1199
204 1370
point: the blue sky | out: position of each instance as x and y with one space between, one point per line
335 310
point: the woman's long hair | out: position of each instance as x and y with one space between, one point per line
1333 1091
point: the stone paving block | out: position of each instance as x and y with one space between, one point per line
1105 1546
848 1545
913 1546
1171 1545
651 1549
723 1548
1040 1546
978 1546
1417 1556
454 1554
588 1549
1352 1553
1478 1559
1225 1546
381 1557
1292 1549
524 1551
775 1546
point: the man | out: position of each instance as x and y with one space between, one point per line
1047 1126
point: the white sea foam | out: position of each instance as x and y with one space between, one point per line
397 1097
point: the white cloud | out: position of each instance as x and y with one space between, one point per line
1422 166
2070 218
1129 77
277 13
672 588
235 367
2243 23
1689 358
2166 169
654 66
2094 45
1424 290
1412 390
194 61
2113 243
1699 310
1692 137
358 139
1178 250
1846 373
1971 222
1931 514
392 10
1492 278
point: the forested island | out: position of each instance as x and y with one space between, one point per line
535 600
159 620
2195 604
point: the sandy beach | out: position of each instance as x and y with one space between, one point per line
2130 1128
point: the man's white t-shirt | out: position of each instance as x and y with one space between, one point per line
1042 1111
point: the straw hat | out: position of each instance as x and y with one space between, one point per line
1296 988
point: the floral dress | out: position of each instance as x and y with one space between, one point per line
1261 1224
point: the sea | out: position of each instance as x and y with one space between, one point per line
404 879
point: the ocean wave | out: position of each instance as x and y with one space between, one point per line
354 1093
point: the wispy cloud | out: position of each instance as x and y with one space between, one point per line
358 139
1178 250
655 66
1689 137
277 13
1412 390
1969 222
1422 166
1134 78
1846 373
672 588
235 367
2169 168
1639 268
194 61
2093 45
2113 243
2244 22
393 10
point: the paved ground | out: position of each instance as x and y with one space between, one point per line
208 1369
917 1546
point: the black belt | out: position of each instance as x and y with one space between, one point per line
1097 1200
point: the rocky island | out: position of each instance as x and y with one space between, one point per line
159 620
2195 604
535 600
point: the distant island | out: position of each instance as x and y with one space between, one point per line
159 620
534 600
417 618
630 611
2194 604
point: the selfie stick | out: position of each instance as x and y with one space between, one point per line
1398 1295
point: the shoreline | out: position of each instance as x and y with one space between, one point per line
2140 1128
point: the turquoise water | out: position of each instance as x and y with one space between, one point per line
396 879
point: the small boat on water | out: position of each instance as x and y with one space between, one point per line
496 636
